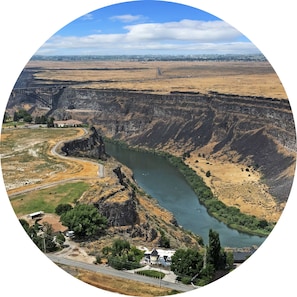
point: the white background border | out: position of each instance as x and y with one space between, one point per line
26 25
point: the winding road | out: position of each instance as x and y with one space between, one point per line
61 181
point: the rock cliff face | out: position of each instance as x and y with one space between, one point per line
255 131
131 213
91 146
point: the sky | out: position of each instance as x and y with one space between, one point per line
147 28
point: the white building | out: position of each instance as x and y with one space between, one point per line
158 256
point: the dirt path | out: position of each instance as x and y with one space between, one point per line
75 169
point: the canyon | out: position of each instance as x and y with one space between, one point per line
255 133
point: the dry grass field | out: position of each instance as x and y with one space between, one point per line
242 78
233 185
27 160
118 285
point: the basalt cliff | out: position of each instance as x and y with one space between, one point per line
91 146
256 131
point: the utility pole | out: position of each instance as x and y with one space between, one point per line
44 245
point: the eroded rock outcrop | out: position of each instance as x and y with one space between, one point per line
91 146
131 213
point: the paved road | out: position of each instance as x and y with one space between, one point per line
121 274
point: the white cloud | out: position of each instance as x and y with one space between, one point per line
185 30
126 18
186 36
87 17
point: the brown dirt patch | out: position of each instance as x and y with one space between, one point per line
54 221
49 218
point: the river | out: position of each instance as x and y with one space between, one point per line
158 178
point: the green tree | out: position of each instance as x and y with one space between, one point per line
62 208
16 116
120 247
50 122
27 118
214 249
30 230
84 220
60 238
24 224
44 242
263 224
98 259
6 117
229 260
215 255
186 262
206 275
122 255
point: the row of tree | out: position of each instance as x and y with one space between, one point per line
200 267
25 116
229 215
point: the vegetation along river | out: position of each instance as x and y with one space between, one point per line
158 178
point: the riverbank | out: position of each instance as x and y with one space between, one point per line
238 186
229 215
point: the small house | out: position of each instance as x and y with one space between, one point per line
154 256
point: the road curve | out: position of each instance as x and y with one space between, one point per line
54 183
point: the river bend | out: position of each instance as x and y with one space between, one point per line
158 178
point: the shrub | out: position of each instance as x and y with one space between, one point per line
62 208
151 273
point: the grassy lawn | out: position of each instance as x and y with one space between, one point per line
47 199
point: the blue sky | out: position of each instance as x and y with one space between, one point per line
147 27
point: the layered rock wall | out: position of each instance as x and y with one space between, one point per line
91 146
259 131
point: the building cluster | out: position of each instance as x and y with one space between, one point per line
157 256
